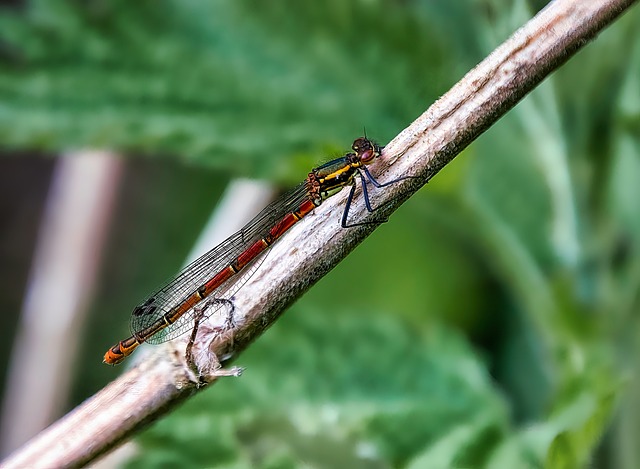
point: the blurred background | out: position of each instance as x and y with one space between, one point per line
493 322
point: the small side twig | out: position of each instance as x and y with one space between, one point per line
314 247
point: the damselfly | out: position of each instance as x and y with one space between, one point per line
205 285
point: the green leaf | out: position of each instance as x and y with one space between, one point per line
345 393
236 85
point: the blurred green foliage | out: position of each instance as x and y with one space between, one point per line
182 77
492 323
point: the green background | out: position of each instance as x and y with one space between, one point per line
493 322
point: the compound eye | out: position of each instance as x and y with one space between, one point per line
360 145
367 156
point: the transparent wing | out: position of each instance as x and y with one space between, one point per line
192 277
206 308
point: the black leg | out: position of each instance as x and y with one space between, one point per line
380 185
365 193
367 203
345 214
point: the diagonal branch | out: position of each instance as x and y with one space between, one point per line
316 245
